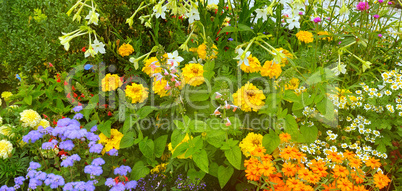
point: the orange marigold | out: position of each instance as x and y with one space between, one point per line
288 153
252 173
340 171
266 168
258 152
381 180
285 137
344 184
288 169
373 163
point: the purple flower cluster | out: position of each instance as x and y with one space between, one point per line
49 145
67 145
77 108
73 186
113 152
5 188
32 136
95 148
18 182
110 182
317 19
69 161
122 170
54 181
362 6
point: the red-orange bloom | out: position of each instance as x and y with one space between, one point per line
340 171
288 153
288 169
344 184
373 163
285 137
381 180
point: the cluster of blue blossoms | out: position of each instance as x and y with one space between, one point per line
66 132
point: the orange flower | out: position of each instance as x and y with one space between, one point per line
358 176
275 178
304 187
329 187
252 173
332 155
266 168
359 188
285 137
304 174
299 156
337 158
381 180
266 157
373 163
258 151
340 171
288 153
288 169
251 161
319 168
348 154
293 183
355 162
344 184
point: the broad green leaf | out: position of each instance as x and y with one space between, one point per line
194 174
147 148
160 144
179 150
28 100
198 126
271 141
309 133
291 126
139 170
234 156
195 96
89 125
105 128
201 160
145 111
177 137
224 175
127 140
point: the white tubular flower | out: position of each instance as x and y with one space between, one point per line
99 47
159 11
193 15
242 56
90 52
92 17
341 68
174 58
262 13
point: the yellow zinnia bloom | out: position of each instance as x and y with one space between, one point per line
248 144
194 74
159 168
125 50
152 66
5 149
202 52
137 93
159 87
30 118
249 97
112 142
254 65
6 95
111 82
305 36
271 69
293 84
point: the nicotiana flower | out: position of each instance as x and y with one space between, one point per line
98 47
242 57
92 17
262 13
341 68
293 22
174 59
159 11
90 52
193 15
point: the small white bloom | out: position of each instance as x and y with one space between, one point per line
293 22
98 47
262 13
90 52
92 17
193 15
242 56
174 58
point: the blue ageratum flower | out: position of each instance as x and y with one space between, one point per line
113 152
110 182
5 188
122 170
118 187
67 145
93 170
49 145
32 136
54 181
77 108
33 166
98 162
131 185
69 161
94 128
95 148
78 116
92 137
34 183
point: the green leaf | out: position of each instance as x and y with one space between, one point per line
105 128
228 29
243 27
195 96
139 170
177 137
309 133
28 100
179 150
234 156
201 160
179 124
147 148
198 126
145 111
209 70
271 141
224 175
291 126
194 174
127 140
291 96
160 144
89 125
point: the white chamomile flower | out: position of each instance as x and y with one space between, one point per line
368 131
333 148
361 131
344 145
348 119
333 136
387 92
399 106
374 152
384 155
329 132
367 106
376 133
358 92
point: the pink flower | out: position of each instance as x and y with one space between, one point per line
376 16
389 2
317 20
361 6
50 64
228 123
218 95
380 35
381 1
300 13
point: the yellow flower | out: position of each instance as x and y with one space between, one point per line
185 140
137 93
6 95
159 87
293 84
5 149
248 144
271 69
125 50
159 168
254 65
321 33
6 130
112 142
111 82
194 74
194 49
44 123
30 118
285 61
152 66
305 36
249 97
212 7
202 52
